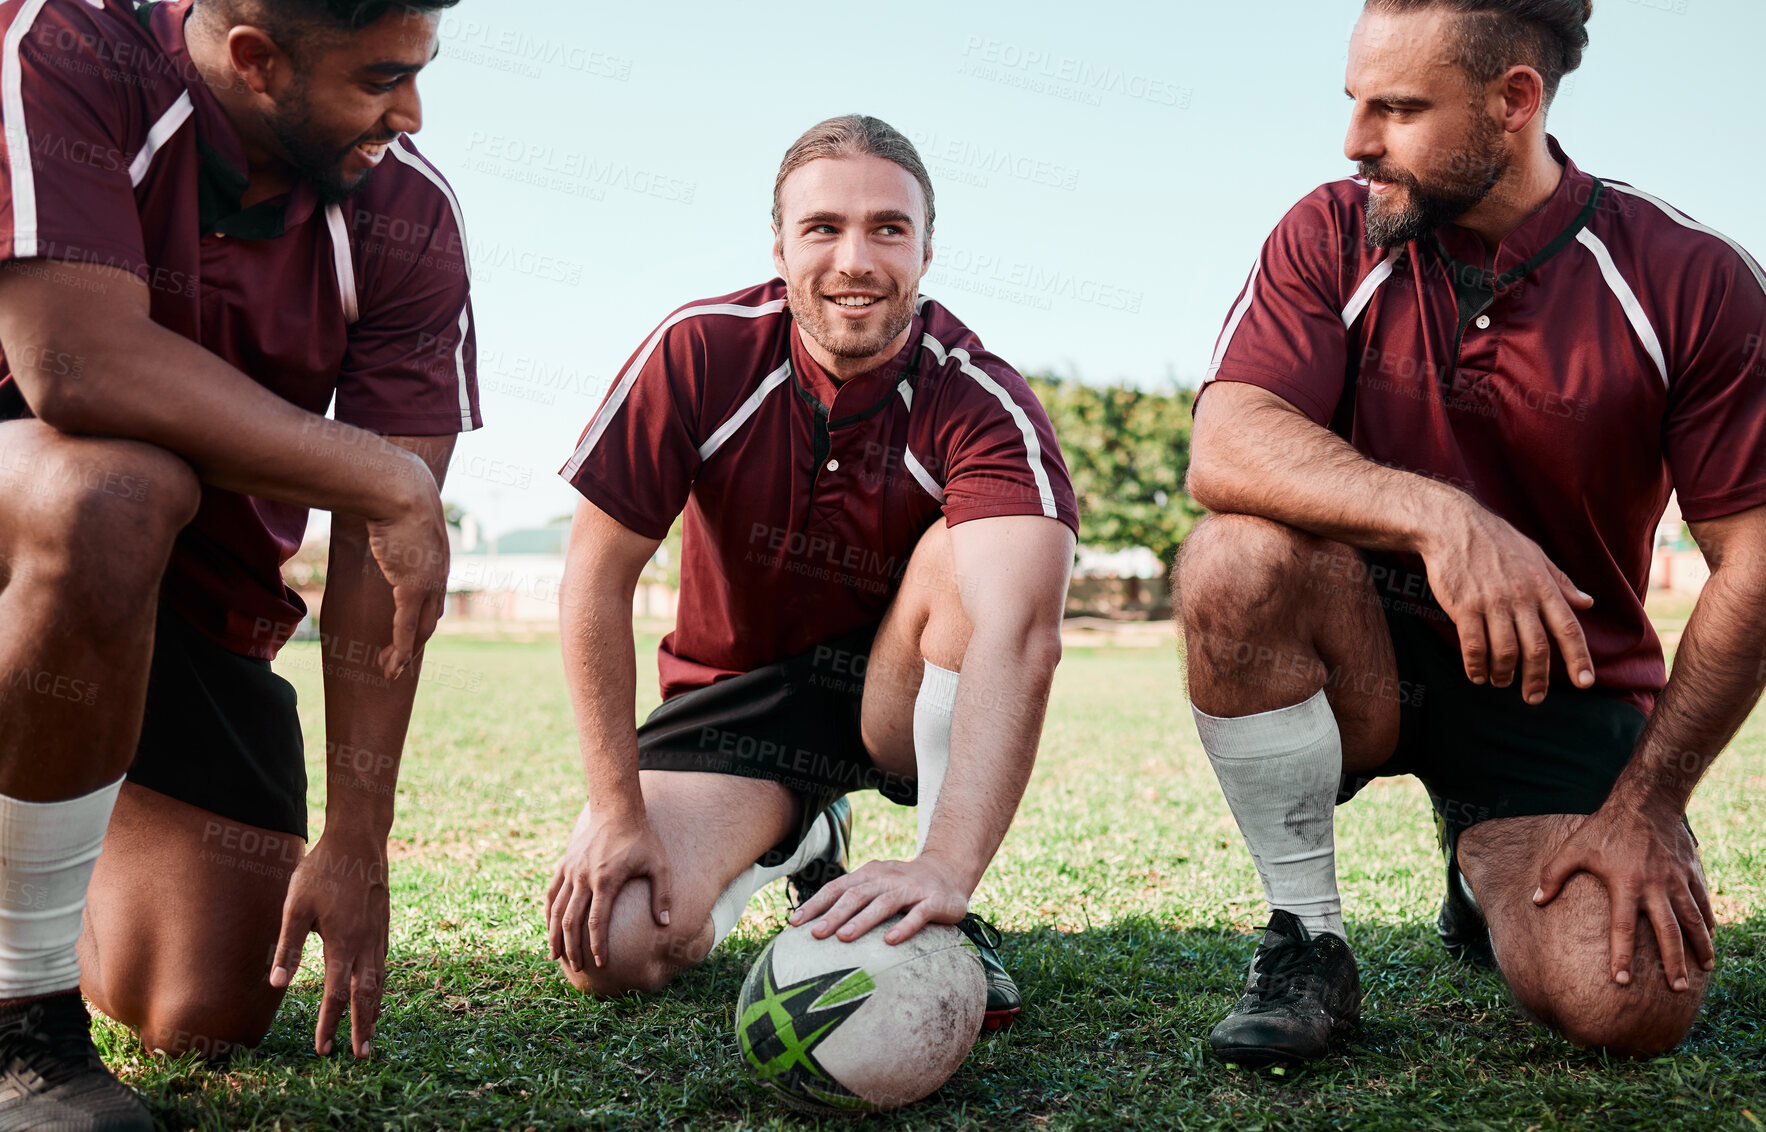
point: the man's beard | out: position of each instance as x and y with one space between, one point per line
1472 174
807 307
314 159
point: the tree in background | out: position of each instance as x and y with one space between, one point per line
1128 450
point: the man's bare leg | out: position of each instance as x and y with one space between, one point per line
86 529
1556 958
181 925
714 827
1288 656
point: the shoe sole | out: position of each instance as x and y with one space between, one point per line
999 1019
1261 1057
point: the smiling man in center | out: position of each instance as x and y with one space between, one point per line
879 530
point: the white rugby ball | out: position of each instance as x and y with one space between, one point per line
860 1027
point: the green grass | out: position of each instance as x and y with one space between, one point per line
1125 888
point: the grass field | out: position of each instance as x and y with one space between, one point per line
1128 897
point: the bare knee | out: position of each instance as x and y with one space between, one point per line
1241 570
213 1020
101 517
931 600
1560 975
1591 1011
641 956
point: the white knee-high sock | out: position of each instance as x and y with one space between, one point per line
47 851
735 898
933 709
1279 771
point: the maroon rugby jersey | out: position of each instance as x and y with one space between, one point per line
1608 354
117 154
804 500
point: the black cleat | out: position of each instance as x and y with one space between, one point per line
1303 991
51 1077
1461 925
1003 1000
807 881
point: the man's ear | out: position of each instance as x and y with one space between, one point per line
1523 97
779 254
926 260
258 61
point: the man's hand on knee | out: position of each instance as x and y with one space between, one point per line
1650 869
603 855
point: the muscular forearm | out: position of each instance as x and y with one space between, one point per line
140 381
1253 454
366 715
1001 701
600 664
1717 677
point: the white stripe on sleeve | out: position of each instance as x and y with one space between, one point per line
1032 447
343 263
18 136
161 133
1627 299
623 387
1364 294
748 408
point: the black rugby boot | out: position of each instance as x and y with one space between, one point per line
1003 1000
51 1077
1303 991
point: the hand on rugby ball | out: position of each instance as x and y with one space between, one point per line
603 855
921 890
1508 601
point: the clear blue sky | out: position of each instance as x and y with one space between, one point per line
1105 173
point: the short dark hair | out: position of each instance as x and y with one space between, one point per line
1494 35
295 23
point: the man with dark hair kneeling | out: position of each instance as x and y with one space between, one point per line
1441 426
214 225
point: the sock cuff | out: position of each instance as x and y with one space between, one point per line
1268 733
938 687
51 831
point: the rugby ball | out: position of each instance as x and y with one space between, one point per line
855 1027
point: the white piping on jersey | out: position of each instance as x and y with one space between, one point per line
18 137
1627 299
749 407
907 394
344 263
460 367
398 150
1232 324
1686 221
921 477
1364 294
1032 448
623 387
161 133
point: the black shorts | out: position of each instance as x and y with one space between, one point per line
1483 752
221 733
795 722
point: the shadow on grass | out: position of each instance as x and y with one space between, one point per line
1113 1035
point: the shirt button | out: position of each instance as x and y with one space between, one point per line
833 465
1483 322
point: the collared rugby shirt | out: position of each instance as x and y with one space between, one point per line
1608 354
117 154
805 499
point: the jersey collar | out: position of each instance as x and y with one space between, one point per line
221 177
860 393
